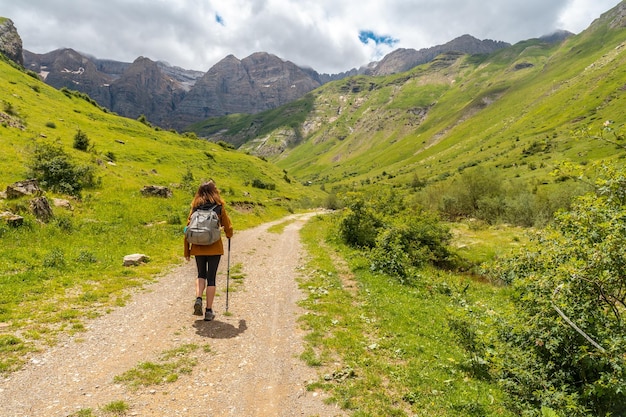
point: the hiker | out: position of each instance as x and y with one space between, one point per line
207 256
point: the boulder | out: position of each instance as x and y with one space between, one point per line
59 202
40 207
156 191
12 219
135 259
22 188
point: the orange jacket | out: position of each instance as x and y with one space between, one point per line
216 248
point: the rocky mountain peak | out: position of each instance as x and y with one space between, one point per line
402 59
261 81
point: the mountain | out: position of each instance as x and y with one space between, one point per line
143 87
402 60
520 111
172 97
259 82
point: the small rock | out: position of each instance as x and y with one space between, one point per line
135 259
156 191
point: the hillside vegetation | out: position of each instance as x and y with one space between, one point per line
57 271
520 111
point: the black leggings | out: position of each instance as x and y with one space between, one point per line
207 267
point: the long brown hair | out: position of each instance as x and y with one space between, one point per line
207 193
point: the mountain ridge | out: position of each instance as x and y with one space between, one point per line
510 111
186 102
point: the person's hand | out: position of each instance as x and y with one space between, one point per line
187 258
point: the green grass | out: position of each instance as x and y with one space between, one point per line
166 370
386 349
118 408
278 228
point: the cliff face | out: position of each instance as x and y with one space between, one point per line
172 97
143 89
10 41
70 69
259 82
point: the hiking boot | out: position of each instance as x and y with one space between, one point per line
208 315
197 307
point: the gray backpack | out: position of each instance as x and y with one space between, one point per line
204 227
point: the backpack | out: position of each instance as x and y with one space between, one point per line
204 227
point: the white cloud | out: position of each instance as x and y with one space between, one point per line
322 34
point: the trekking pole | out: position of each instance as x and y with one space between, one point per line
227 274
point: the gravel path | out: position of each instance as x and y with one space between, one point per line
251 367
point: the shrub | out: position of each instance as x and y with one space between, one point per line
257 183
400 239
565 345
143 119
111 156
359 225
54 170
81 141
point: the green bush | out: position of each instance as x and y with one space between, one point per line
359 225
55 170
81 141
400 239
257 183
565 345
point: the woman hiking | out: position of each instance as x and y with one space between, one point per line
207 256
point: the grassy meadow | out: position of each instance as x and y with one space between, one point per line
383 348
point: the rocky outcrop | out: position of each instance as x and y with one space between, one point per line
259 82
10 41
40 207
23 188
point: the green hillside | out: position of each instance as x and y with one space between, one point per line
517 111
54 273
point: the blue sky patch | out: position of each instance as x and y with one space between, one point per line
365 36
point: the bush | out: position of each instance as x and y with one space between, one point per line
257 183
359 225
54 170
81 141
400 239
565 345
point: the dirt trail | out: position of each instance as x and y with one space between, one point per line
252 368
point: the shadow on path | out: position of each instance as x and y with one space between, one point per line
219 330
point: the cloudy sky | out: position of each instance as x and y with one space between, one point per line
327 35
